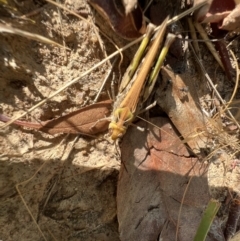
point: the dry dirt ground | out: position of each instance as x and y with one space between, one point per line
60 187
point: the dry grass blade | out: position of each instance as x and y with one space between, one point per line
180 208
36 37
214 88
208 43
236 81
194 37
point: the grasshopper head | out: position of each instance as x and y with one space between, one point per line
119 126
116 130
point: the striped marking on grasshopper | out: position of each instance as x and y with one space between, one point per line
137 58
155 71
124 112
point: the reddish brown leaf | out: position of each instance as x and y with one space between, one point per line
86 121
129 26
155 173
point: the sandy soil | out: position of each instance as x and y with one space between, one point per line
63 187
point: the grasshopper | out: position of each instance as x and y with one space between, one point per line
126 105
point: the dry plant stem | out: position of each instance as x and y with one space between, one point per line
71 82
146 8
105 80
209 44
52 188
236 81
27 181
25 34
61 29
214 88
34 12
51 234
185 13
194 37
117 48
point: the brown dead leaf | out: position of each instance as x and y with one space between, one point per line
226 13
177 96
88 120
129 26
156 171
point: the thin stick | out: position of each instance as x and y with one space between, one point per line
236 82
214 88
209 44
105 80
194 37
180 209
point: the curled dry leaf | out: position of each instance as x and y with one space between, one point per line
156 171
129 26
88 120
226 13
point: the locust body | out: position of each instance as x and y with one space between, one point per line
127 103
